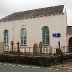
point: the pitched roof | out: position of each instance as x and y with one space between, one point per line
55 10
69 29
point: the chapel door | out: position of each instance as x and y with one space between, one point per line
70 44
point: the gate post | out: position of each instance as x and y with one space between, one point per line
18 50
12 44
35 46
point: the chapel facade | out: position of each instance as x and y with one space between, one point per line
46 25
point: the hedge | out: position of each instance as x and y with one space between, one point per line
35 60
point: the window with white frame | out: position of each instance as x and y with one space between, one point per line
23 36
6 37
45 35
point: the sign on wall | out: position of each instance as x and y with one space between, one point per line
56 35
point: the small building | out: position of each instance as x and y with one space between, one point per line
69 38
47 25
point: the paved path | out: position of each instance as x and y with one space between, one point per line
8 67
67 64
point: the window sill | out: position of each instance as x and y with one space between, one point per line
23 45
45 45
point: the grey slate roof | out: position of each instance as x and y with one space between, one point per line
69 29
55 10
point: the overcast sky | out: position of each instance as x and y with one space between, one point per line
10 6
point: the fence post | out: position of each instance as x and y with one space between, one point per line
59 44
62 58
61 53
40 46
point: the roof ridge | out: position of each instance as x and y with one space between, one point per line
52 10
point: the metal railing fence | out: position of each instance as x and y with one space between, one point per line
44 50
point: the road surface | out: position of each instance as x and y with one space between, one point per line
8 67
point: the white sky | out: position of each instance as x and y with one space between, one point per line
10 6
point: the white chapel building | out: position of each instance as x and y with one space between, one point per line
47 25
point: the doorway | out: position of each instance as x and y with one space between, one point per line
70 44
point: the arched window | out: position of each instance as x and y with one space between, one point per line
6 37
45 35
23 36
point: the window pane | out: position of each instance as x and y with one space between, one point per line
47 32
45 35
23 36
21 41
24 41
6 37
43 41
47 39
4 42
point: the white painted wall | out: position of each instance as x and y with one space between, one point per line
56 24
